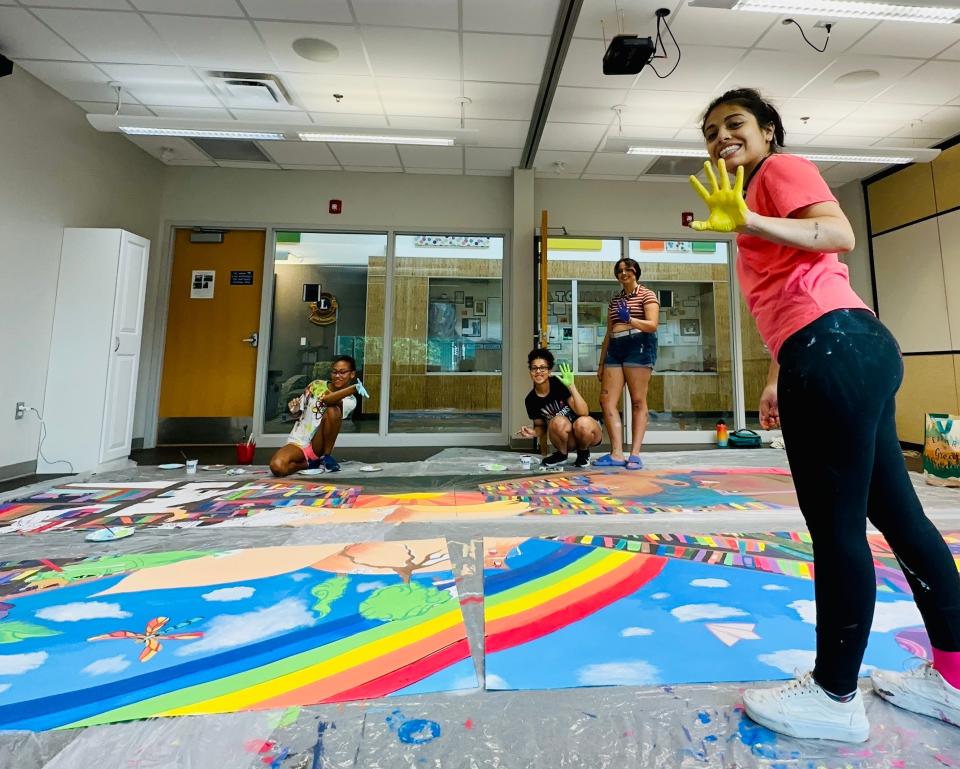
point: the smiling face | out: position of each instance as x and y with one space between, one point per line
539 371
732 132
625 275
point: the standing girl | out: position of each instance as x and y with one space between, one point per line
629 353
832 363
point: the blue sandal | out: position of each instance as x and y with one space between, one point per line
634 462
607 461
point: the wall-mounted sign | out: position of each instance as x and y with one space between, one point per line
201 284
241 277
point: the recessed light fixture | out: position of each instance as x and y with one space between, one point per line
673 152
315 49
189 133
347 138
857 77
846 9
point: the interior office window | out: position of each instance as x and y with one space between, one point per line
324 287
464 324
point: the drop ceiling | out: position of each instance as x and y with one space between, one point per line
478 64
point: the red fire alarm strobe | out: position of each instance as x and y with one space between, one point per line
686 218
336 207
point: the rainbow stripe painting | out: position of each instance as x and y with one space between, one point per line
106 639
650 609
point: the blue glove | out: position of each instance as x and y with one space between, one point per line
623 311
361 389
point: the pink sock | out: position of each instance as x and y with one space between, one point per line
947 664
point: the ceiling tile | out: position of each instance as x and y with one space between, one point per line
599 19
23 37
700 68
280 116
953 53
898 38
878 119
109 36
375 169
936 82
532 18
315 93
109 108
488 159
583 67
618 163
504 58
162 86
787 38
571 136
444 171
665 108
207 163
432 157
348 120
841 173
192 7
490 172
940 123
424 123
688 135
647 132
300 153
890 71
429 14
807 116
499 133
774 73
414 53
279 37
214 43
411 96
296 167
717 26
183 149
611 177
828 139
81 82
382 155
193 113
584 105
248 164
337 11
110 5
499 101
572 162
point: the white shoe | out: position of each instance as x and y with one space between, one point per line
803 709
921 690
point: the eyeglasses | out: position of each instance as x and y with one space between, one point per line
620 272
340 371
539 368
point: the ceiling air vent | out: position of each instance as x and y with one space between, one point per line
671 166
250 89
232 149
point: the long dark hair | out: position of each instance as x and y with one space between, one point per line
751 100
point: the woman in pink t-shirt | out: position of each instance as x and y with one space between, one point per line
835 367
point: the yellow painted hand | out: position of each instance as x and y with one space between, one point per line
728 209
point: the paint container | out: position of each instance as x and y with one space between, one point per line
192 466
526 461
245 453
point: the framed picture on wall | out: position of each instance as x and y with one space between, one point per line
458 297
468 301
480 307
470 327
690 327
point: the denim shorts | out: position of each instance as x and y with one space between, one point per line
636 350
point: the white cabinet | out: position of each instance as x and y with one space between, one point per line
95 350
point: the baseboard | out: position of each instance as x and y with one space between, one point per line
18 470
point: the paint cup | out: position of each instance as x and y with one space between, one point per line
245 453
526 461
192 466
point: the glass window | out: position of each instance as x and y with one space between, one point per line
325 286
447 346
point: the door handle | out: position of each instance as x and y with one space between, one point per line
253 340
116 343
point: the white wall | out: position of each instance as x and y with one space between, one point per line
55 172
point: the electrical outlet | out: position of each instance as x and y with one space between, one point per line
822 24
21 410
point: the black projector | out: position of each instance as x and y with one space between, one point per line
628 54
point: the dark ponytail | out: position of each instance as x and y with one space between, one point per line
751 100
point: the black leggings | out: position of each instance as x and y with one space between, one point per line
838 378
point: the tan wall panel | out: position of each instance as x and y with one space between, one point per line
910 288
946 178
949 226
930 384
901 198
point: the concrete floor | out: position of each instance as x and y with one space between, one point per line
668 727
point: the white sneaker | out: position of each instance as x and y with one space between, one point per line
803 709
921 690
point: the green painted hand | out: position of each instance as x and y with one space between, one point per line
728 209
565 375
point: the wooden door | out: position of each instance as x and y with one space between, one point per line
208 368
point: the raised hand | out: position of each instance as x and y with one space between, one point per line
361 389
623 311
565 375
728 209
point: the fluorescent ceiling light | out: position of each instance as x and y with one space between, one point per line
674 152
192 133
433 141
846 9
833 157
